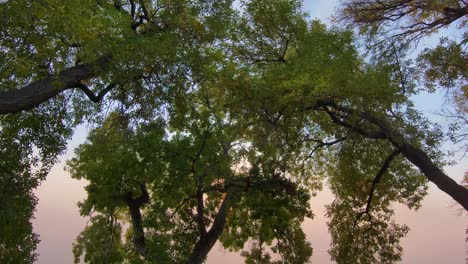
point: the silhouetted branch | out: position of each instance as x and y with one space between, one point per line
322 144
90 94
376 181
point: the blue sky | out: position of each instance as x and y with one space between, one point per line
320 9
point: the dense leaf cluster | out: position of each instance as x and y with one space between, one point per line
216 121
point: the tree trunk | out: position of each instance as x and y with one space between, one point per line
421 160
134 206
206 242
138 232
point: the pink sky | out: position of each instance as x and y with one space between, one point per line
437 231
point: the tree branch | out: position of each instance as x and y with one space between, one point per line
322 144
32 95
414 154
355 128
90 94
200 208
376 181
200 202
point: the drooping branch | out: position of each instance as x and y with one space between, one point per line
32 95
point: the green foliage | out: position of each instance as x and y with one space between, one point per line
363 231
17 241
445 66
392 27
29 145
268 30
374 239
198 157
271 216
221 118
99 242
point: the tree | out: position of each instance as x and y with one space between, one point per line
195 91
89 38
49 48
131 170
29 146
290 110
404 24
318 97
418 18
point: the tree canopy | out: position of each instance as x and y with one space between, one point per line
395 28
212 123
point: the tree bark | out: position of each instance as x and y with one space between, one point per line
32 95
134 206
206 242
138 232
420 159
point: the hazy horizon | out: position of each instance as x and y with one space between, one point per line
437 232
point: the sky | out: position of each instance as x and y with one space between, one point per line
437 230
